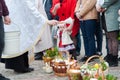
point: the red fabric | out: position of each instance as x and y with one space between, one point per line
67 10
54 2
60 43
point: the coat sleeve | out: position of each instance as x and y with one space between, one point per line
4 8
88 5
77 6
54 2
108 3
73 5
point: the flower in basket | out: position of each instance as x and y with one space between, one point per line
93 72
104 65
97 71
85 69
51 52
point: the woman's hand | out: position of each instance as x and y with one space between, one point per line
78 15
7 20
99 8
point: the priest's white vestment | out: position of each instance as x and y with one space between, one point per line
30 19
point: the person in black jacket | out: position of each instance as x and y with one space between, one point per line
4 17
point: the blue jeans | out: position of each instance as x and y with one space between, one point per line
78 46
1 36
99 37
88 28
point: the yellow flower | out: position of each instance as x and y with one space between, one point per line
96 66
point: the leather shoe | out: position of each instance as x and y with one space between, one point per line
83 59
38 56
31 69
3 78
26 70
119 59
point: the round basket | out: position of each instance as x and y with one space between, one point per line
60 68
100 71
47 59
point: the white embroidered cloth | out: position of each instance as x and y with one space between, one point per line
28 20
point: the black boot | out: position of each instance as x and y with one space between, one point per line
114 61
119 59
108 58
73 53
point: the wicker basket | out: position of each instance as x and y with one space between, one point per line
47 59
74 74
99 71
60 68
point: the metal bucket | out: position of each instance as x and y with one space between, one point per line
12 39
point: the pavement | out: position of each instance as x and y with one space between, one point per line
40 74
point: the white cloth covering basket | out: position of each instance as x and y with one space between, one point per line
12 40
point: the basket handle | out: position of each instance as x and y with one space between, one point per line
101 59
95 56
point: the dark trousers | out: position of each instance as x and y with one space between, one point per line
18 63
88 28
78 46
99 37
112 42
1 36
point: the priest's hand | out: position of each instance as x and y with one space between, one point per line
52 22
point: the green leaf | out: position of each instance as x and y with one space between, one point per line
110 77
104 66
100 78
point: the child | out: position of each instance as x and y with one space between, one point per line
64 41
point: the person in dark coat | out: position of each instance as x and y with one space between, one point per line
4 15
